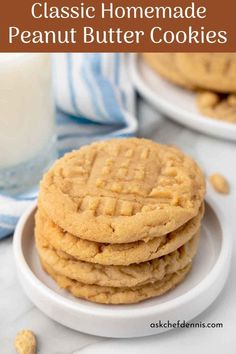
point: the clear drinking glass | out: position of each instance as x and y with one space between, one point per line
27 120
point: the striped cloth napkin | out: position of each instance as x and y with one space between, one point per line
95 100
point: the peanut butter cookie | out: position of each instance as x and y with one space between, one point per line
210 71
112 295
165 65
117 276
115 254
122 190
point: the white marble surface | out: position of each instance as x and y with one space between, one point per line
17 312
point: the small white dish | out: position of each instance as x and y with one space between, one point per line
186 301
175 102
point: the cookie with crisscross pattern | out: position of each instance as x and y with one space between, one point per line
122 190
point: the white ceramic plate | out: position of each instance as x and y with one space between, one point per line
177 103
194 295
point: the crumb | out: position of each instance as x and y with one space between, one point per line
207 99
232 100
219 183
25 342
220 107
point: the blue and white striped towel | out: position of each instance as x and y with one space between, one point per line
95 100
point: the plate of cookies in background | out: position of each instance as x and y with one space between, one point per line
194 89
121 238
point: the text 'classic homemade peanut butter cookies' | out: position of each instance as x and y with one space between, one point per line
119 221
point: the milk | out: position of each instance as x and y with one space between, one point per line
27 128
26 107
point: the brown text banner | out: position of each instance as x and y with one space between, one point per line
117 26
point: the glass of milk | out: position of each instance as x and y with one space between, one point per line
27 120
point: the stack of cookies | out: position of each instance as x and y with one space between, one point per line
119 221
213 74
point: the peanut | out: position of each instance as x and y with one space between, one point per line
25 342
219 183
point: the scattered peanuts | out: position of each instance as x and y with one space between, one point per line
219 183
25 342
